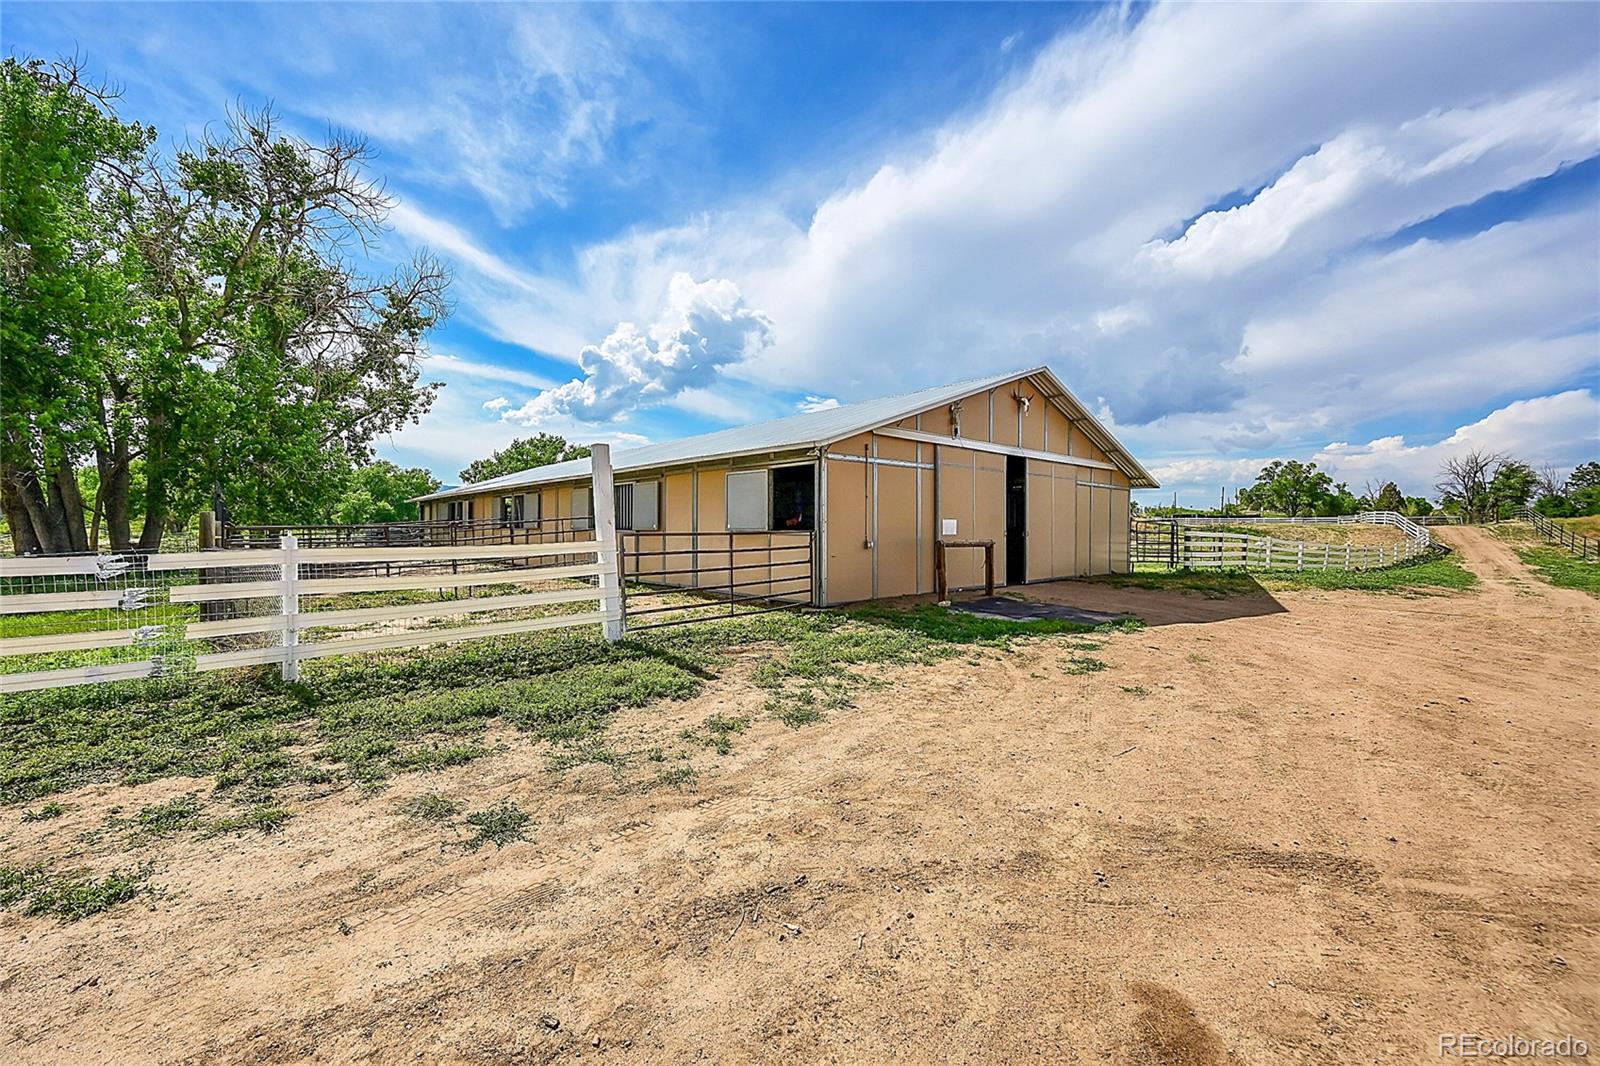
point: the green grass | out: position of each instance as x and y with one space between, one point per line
172 816
264 818
1083 664
1436 572
959 627
500 825
45 811
430 807
70 896
1562 569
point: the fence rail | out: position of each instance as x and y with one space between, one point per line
1189 542
81 619
675 578
1580 545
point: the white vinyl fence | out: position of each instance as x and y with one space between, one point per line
86 619
1201 548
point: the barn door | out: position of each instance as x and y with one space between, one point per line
1016 520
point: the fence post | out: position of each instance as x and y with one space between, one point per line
604 507
290 547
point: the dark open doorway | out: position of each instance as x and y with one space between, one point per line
1016 520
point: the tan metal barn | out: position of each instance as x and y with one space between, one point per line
869 488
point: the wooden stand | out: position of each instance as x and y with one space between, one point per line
941 580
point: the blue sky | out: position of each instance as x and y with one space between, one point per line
1369 235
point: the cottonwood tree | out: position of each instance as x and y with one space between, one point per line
239 351
1290 487
63 158
524 453
1512 486
1464 482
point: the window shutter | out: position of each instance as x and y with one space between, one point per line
647 505
747 500
624 494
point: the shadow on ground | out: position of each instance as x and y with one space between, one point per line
1212 598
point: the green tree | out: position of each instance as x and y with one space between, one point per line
1289 487
63 156
382 492
239 351
1511 487
1390 498
524 453
1418 506
1584 476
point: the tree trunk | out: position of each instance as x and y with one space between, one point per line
115 481
52 538
66 497
24 538
155 510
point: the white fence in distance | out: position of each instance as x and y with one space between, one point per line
1201 548
583 571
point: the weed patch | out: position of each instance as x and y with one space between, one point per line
53 809
70 896
160 819
264 818
1083 664
430 807
500 825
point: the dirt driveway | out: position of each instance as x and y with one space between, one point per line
1302 826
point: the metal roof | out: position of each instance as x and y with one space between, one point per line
811 430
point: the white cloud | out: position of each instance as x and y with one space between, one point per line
1365 181
496 404
1562 429
1053 225
812 404
705 327
438 363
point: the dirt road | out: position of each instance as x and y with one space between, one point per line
1307 826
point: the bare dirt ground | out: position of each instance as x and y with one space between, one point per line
1304 826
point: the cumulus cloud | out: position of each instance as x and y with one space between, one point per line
817 403
1562 429
496 404
705 327
1075 219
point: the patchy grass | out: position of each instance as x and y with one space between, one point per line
359 721
1562 569
161 819
430 807
719 732
500 825
70 896
1083 664
264 818
681 777
46 811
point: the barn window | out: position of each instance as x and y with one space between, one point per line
581 509
639 505
781 499
747 500
794 498
512 510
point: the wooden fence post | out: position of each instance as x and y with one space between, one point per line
604 508
291 606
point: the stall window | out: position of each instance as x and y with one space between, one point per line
748 500
511 510
581 509
794 498
639 505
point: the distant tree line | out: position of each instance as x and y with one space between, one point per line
191 326
1477 486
